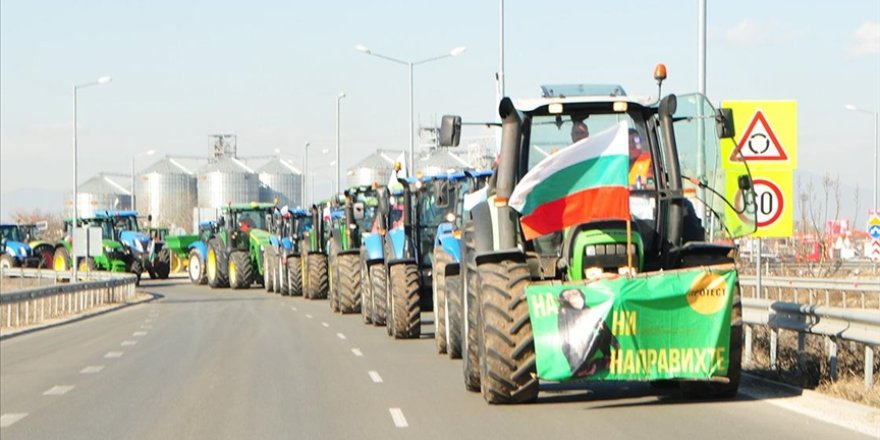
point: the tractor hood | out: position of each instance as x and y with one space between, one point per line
135 240
259 238
17 249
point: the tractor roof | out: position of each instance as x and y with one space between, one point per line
253 206
114 214
533 104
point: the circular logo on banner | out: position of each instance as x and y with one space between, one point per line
708 293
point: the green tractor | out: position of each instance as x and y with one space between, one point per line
235 254
316 282
575 270
349 224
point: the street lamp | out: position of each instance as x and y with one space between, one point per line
303 176
876 116
133 189
338 100
453 53
100 80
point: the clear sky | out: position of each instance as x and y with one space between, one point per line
270 72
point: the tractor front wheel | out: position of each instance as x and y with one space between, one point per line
61 259
318 283
196 268
241 271
294 274
406 321
162 266
348 284
377 291
216 265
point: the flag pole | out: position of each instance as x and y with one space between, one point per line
629 256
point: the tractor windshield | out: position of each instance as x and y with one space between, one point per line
127 223
11 233
250 220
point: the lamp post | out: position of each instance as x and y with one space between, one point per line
304 171
453 53
876 116
338 101
133 189
100 80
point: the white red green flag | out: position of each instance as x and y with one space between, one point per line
586 181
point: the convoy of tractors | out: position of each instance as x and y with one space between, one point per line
453 244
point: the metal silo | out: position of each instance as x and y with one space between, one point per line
102 192
376 167
227 180
440 162
281 180
167 190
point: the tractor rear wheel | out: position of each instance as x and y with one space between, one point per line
294 274
86 265
216 265
7 262
720 390
377 292
470 325
162 267
268 273
317 288
348 285
137 268
333 273
197 274
453 315
507 371
241 271
438 287
366 294
283 286
45 252
406 320
61 259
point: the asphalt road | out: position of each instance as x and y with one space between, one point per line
226 364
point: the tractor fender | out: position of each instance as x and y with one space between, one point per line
201 247
398 239
373 246
274 241
447 241
484 232
287 243
17 249
496 256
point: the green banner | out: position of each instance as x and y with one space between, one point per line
666 325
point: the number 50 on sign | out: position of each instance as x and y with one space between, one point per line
773 199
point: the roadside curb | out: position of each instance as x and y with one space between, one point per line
76 318
850 415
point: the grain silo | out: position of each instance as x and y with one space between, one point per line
376 167
227 180
102 192
168 191
440 162
281 180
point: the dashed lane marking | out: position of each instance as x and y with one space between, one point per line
398 418
7 420
340 336
146 327
58 390
357 352
294 309
325 324
92 369
308 316
136 334
375 376
128 343
113 354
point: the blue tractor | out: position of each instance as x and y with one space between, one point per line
16 250
198 252
284 263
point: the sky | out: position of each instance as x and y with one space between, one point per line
270 72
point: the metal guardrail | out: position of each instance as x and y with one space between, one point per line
810 288
833 323
35 305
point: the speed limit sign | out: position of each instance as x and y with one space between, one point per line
772 202
769 202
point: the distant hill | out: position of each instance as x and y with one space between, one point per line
28 199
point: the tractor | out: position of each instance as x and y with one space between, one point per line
194 250
388 215
649 297
446 271
283 256
314 273
236 251
346 239
17 247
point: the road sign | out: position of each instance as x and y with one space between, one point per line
874 231
766 134
773 202
88 241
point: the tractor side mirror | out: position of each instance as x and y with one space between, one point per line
745 182
724 123
358 210
450 131
221 222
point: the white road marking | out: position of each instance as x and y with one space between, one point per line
325 324
398 418
293 308
340 336
128 343
92 369
58 390
7 420
375 376
113 354
357 352
136 334
308 316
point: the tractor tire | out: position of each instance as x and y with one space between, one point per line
348 284
216 265
377 292
61 259
177 264
318 282
87 265
162 267
196 269
333 273
7 262
137 268
152 273
406 320
471 332
438 288
454 310
268 273
283 286
720 390
294 274
507 370
241 271
46 253
366 294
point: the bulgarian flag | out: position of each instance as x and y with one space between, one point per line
583 182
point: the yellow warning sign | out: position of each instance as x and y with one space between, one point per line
766 134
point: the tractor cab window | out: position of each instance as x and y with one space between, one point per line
251 220
127 224
10 233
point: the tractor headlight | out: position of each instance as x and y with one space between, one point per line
352 226
108 249
590 251
450 217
